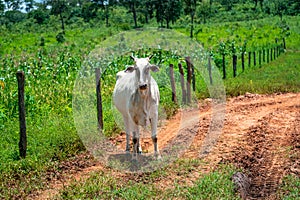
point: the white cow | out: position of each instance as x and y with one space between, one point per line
136 96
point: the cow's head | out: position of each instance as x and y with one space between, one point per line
142 69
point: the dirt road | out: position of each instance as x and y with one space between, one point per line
261 136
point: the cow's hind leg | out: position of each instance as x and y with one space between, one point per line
127 129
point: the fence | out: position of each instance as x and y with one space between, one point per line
261 56
264 55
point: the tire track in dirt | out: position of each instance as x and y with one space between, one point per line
256 133
266 157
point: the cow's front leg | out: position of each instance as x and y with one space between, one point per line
153 122
135 140
139 148
127 142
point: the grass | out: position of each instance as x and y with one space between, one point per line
50 141
215 185
289 188
281 75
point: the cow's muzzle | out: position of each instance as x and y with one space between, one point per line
143 86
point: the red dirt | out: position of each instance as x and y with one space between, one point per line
261 135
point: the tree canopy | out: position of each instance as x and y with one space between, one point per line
136 12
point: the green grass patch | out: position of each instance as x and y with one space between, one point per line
281 75
215 185
290 188
50 141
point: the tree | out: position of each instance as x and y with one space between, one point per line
280 7
2 7
132 6
204 10
29 5
167 10
14 16
190 7
59 8
105 5
40 14
13 4
227 4
260 2
173 11
146 8
89 11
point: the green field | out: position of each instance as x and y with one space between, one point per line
51 69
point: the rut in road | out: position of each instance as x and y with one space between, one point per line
260 135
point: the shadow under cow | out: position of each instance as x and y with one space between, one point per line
143 163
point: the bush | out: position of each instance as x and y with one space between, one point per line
60 37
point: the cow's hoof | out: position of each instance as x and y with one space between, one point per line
157 156
134 160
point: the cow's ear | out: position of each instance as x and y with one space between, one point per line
154 68
129 69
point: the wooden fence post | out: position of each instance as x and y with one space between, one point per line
276 47
234 62
268 56
172 79
188 80
99 99
254 58
223 66
243 61
271 56
209 70
22 117
249 58
259 58
182 83
193 78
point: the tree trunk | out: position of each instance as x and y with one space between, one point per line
62 23
192 25
134 14
168 21
106 15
